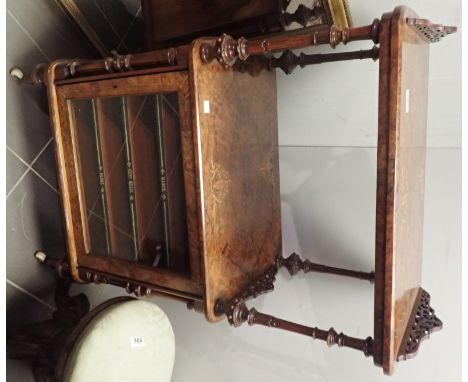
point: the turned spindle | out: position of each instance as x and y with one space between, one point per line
227 50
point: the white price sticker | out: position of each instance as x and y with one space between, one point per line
137 342
206 106
407 95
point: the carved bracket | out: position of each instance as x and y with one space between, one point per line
235 309
422 323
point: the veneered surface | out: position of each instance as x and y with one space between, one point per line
175 186
236 140
400 194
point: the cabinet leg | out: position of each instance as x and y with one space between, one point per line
237 313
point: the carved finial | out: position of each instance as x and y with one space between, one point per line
293 264
225 50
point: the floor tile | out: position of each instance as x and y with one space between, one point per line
57 37
132 6
33 222
117 14
100 22
21 49
27 125
135 39
22 309
14 170
45 165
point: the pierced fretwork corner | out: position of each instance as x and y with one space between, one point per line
429 31
422 323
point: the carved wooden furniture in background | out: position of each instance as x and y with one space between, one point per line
43 343
178 21
214 101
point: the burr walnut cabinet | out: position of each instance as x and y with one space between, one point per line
169 177
168 170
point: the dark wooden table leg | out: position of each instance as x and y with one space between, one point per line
237 313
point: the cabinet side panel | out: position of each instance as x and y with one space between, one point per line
237 142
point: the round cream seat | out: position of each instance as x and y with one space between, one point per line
127 341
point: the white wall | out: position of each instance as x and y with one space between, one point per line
328 127
336 104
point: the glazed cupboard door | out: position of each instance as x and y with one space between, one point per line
132 157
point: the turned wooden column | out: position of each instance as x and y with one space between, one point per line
228 50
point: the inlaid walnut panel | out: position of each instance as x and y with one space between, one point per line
236 141
400 195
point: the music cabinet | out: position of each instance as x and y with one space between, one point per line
168 170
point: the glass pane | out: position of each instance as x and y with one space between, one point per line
130 157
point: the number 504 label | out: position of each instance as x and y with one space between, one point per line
137 342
